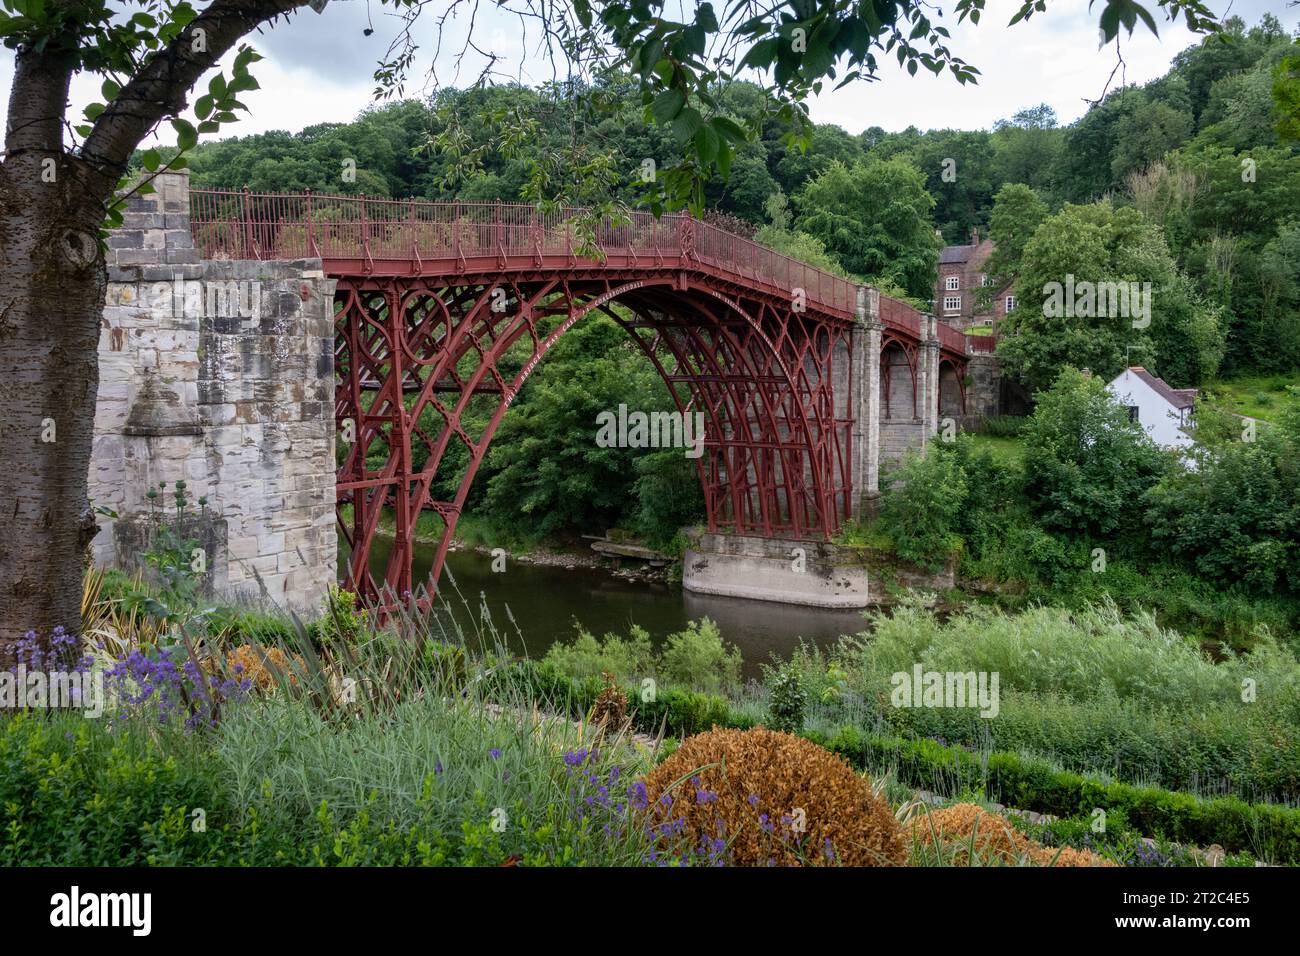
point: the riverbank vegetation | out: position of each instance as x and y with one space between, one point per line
1090 508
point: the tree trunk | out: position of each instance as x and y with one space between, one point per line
52 281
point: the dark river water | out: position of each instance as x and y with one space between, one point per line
532 606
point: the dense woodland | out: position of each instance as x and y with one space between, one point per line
1190 183
1220 239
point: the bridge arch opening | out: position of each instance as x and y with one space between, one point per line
898 381
413 356
952 390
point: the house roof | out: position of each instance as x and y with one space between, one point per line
951 254
1177 397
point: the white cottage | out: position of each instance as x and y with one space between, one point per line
1165 412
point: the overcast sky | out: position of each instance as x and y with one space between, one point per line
319 67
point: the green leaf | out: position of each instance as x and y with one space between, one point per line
109 90
706 18
203 107
706 144
667 105
729 129
151 160
187 136
243 81
762 53
724 158
686 124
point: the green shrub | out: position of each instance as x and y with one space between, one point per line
788 700
1268 831
1003 426
698 658
589 657
1236 517
668 496
1086 464
921 510
343 622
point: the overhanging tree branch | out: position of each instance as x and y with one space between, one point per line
161 88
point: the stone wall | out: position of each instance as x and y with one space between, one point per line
897 437
220 374
984 392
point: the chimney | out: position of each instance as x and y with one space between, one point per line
975 236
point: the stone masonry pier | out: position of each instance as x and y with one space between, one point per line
221 374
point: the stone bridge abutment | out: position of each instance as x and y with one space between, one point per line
219 374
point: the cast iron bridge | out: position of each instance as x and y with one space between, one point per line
440 303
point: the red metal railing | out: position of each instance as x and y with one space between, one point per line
356 233
982 343
950 338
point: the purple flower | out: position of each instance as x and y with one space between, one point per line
637 793
495 753
576 758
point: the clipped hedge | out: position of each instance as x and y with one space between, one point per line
1266 830
679 713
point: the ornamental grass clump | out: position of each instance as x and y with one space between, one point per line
610 710
966 834
759 797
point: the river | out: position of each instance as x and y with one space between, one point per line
547 603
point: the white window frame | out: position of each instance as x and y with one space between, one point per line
953 284
1009 304
952 303
984 279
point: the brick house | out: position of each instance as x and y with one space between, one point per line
961 277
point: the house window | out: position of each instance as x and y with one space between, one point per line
952 303
954 283
989 323
1132 413
984 279
1010 303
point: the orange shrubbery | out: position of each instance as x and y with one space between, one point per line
759 797
956 830
266 667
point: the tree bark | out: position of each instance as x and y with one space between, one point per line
52 279
52 282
